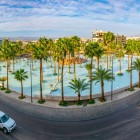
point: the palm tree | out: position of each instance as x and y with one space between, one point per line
90 50
130 50
79 85
99 53
3 79
136 66
61 45
40 52
6 54
119 55
21 76
108 40
75 40
101 75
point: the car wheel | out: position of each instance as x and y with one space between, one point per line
5 130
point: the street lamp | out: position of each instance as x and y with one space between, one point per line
31 79
112 81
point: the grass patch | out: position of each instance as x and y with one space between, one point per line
79 103
128 70
41 101
21 97
8 91
3 88
120 74
63 103
131 89
91 101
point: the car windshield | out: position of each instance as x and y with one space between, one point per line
4 118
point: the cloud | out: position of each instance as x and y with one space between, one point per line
69 16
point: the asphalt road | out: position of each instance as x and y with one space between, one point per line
124 125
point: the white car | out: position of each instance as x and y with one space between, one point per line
6 123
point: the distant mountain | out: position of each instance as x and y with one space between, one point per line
20 38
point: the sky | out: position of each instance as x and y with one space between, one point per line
60 18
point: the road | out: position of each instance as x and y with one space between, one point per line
124 125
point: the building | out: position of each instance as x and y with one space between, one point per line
134 37
120 39
97 36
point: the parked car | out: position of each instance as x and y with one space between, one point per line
7 124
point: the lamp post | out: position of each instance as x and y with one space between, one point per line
31 79
112 81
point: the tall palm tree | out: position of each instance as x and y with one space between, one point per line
108 41
119 55
89 51
40 52
101 75
6 54
21 76
61 45
76 48
130 50
78 86
99 53
136 66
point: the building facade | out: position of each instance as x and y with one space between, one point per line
97 36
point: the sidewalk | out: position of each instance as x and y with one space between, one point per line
51 111
55 104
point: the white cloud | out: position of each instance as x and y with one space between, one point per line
70 16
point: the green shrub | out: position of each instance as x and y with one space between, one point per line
54 73
8 91
120 74
128 70
91 101
41 101
63 103
131 89
3 88
79 103
21 97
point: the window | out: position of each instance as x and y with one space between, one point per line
4 118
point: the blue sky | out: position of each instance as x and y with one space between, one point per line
59 18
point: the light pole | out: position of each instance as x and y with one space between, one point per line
112 81
31 79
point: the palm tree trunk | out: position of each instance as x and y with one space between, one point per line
69 64
41 79
102 88
13 65
54 68
120 66
128 62
139 79
91 63
62 87
7 77
58 71
74 69
131 72
98 62
2 84
78 96
107 61
21 89
32 64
